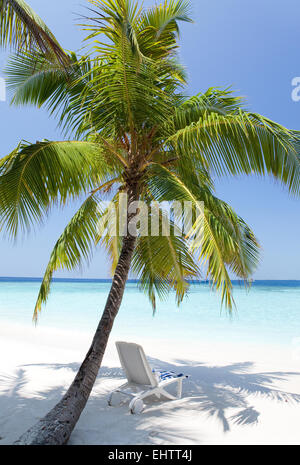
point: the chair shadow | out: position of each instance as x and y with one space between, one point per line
210 390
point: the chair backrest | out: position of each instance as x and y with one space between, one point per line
135 364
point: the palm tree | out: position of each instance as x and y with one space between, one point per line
135 132
23 29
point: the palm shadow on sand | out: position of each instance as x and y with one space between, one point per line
212 390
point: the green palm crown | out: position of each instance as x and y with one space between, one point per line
130 126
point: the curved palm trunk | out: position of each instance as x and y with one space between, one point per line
56 427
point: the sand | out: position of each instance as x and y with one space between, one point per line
236 393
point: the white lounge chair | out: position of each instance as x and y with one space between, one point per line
141 380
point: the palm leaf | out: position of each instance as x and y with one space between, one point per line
229 140
75 245
23 29
34 79
35 176
159 30
162 263
226 240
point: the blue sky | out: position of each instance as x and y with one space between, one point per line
250 45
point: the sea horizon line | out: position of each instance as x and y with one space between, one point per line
134 281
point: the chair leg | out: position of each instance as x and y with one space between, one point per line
118 390
110 399
178 393
136 405
167 394
179 388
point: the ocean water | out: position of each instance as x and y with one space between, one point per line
267 313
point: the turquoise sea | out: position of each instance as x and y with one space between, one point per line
267 313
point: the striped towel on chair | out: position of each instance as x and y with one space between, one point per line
163 375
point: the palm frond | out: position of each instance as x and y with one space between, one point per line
233 141
23 29
75 245
34 79
114 19
158 29
162 263
226 241
36 176
132 89
110 236
214 100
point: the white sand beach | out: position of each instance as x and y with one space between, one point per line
236 394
